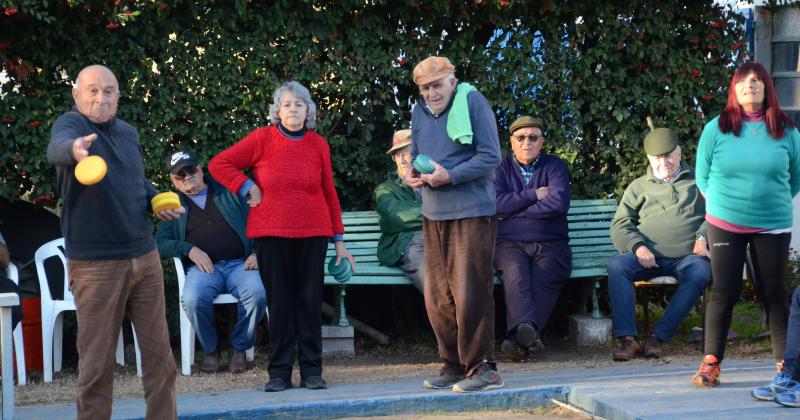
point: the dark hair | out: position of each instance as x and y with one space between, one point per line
775 119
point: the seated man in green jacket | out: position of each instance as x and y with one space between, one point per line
211 234
659 229
399 209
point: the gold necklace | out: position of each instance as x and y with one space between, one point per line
754 130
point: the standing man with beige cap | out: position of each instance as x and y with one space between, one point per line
455 126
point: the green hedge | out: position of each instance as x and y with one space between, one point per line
200 74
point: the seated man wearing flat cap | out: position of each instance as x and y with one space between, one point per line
660 229
399 208
532 250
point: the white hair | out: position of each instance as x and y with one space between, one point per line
302 93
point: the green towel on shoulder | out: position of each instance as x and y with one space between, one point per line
459 127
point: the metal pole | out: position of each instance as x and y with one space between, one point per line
7 300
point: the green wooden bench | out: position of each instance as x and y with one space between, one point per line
589 222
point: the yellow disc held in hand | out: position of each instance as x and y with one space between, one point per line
165 201
90 170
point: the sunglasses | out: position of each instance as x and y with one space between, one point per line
532 138
185 173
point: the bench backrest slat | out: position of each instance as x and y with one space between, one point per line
589 222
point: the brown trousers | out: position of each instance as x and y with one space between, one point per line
105 291
458 289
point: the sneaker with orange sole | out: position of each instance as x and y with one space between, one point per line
708 374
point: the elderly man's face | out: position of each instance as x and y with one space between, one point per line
97 94
292 112
664 166
437 93
402 158
526 143
189 180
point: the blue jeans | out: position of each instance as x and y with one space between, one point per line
693 273
202 288
792 352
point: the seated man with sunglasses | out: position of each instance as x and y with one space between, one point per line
211 234
532 254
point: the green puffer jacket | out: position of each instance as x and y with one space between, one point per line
400 215
666 217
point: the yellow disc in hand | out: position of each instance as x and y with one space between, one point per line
165 201
90 170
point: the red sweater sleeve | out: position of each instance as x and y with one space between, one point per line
329 189
227 166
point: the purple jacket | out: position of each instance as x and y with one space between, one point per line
522 217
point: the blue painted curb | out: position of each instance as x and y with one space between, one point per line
413 404
592 405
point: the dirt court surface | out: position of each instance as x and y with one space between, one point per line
555 413
397 361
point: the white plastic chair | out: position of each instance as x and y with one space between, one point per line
187 330
19 345
52 311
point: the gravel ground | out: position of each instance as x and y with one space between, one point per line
555 413
400 360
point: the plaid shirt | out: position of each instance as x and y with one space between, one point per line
526 170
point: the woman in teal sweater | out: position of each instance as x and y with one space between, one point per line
748 168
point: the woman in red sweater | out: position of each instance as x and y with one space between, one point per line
294 213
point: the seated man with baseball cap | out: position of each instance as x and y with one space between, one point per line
532 252
399 208
659 229
211 234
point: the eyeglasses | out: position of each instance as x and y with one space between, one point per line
532 138
185 173
403 156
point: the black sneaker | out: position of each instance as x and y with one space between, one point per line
512 349
277 385
314 382
449 374
483 378
527 336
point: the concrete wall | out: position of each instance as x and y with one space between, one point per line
783 25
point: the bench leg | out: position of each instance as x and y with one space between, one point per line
595 304
342 320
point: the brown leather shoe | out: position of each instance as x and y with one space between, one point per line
630 348
210 362
652 347
237 364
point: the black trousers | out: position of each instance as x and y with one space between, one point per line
728 252
292 270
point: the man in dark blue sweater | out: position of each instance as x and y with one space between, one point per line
113 266
532 253
454 125
212 236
